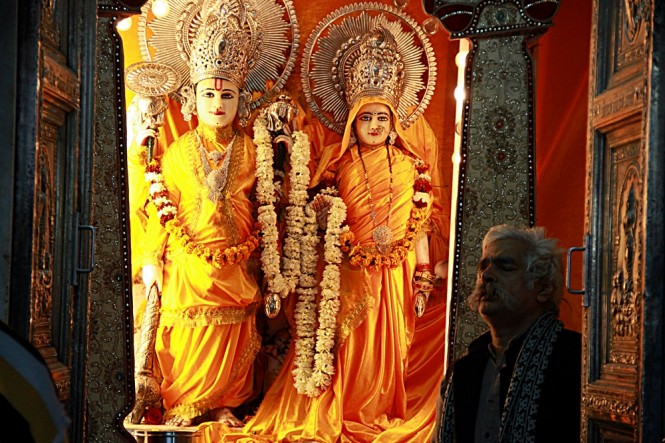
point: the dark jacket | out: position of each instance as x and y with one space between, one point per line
558 418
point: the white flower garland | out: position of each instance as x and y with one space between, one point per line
314 360
305 309
281 282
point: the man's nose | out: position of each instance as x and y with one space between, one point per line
488 275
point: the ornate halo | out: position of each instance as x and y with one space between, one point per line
168 40
152 79
354 20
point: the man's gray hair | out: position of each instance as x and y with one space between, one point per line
543 258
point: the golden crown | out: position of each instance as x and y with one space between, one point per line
227 44
370 66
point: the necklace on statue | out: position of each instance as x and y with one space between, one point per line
215 179
382 234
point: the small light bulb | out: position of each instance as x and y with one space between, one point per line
460 59
160 8
459 93
124 24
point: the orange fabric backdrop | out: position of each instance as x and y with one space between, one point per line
441 111
562 69
562 58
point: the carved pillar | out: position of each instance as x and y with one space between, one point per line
111 365
497 169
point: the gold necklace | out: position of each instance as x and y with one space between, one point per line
382 235
212 135
215 180
371 147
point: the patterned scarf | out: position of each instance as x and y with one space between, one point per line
518 421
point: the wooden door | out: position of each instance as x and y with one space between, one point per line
64 183
622 395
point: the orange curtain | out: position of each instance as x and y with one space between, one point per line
562 73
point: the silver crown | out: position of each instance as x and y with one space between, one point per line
169 39
370 66
364 49
227 44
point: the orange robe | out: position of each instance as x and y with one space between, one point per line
368 398
388 363
138 189
207 338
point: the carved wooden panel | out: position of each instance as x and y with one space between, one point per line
616 201
83 335
497 169
612 394
59 96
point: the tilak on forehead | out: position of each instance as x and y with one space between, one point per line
217 83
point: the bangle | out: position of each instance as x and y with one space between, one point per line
423 267
424 275
423 280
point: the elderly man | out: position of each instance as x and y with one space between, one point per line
520 381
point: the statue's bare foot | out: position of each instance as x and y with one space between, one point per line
226 417
179 421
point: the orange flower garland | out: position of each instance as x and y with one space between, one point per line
167 212
368 257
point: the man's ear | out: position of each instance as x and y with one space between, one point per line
544 293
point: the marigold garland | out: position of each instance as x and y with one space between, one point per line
422 186
167 212
368 257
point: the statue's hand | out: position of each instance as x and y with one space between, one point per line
143 134
440 272
152 274
422 287
321 206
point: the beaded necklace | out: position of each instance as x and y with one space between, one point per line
382 234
